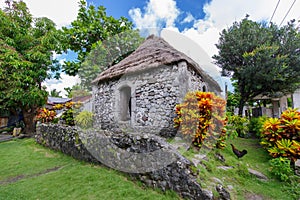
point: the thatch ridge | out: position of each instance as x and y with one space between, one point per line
153 52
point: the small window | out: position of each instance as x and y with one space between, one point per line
203 88
125 103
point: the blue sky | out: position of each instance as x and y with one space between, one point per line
187 8
199 20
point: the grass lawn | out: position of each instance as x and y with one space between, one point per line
244 185
30 171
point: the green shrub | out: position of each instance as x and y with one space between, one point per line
55 120
201 116
68 117
256 125
281 168
237 126
69 109
84 119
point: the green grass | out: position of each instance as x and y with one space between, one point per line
30 171
244 185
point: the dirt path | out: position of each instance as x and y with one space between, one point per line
17 178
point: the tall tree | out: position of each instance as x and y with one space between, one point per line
77 90
92 25
54 93
261 59
107 53
26 48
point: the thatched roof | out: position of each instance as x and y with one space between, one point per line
153 52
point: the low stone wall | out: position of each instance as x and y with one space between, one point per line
147 158
65 139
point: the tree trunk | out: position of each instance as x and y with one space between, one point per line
29 116
241 107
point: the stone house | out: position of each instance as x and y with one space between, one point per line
141 91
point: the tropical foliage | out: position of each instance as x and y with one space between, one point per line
69 109
233 100
45 115
237 126
260 59
106 54
281 168
55 93
27 45
282 136
84 119
202 117
77 90
256 125
68 117
91 26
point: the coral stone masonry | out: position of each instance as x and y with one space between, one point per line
127 150
140 92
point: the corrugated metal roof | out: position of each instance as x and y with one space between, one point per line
57 100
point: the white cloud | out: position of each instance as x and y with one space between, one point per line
220 14
189 18
223 13
62 12
206 39
59 85
157 15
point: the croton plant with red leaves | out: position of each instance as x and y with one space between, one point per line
202 116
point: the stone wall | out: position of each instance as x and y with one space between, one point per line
196 81
164 168
65 139
104 104
154 94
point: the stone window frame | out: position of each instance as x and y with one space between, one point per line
117 94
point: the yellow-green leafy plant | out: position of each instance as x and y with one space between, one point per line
68 117
282 136
70 109
68 105
202 116
286 148
58 106
84 119
237 125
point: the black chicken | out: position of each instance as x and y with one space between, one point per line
237 152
